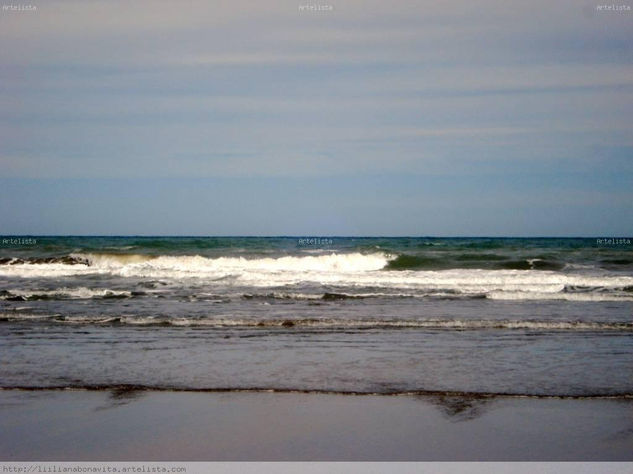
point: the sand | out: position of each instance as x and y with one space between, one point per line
168 426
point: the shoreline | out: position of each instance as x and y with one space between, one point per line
131 425
474 395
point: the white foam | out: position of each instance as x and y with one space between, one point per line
354 271
107 260
526 295
197 266
87 319
73 293
328 323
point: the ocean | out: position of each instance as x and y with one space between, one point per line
540 317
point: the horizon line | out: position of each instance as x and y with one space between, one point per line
324 236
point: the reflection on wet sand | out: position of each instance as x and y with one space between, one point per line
460 408
120 397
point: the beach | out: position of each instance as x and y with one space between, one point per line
316 231
167 426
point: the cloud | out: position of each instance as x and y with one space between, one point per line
234 88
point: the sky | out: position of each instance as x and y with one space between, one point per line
462 118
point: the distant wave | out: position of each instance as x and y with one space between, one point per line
326 323
483 261
414 262
130 388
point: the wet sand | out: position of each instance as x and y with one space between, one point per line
168 426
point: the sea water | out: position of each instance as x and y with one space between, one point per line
479 316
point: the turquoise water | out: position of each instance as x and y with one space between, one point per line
411 252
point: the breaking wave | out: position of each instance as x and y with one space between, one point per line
170 265
378 273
